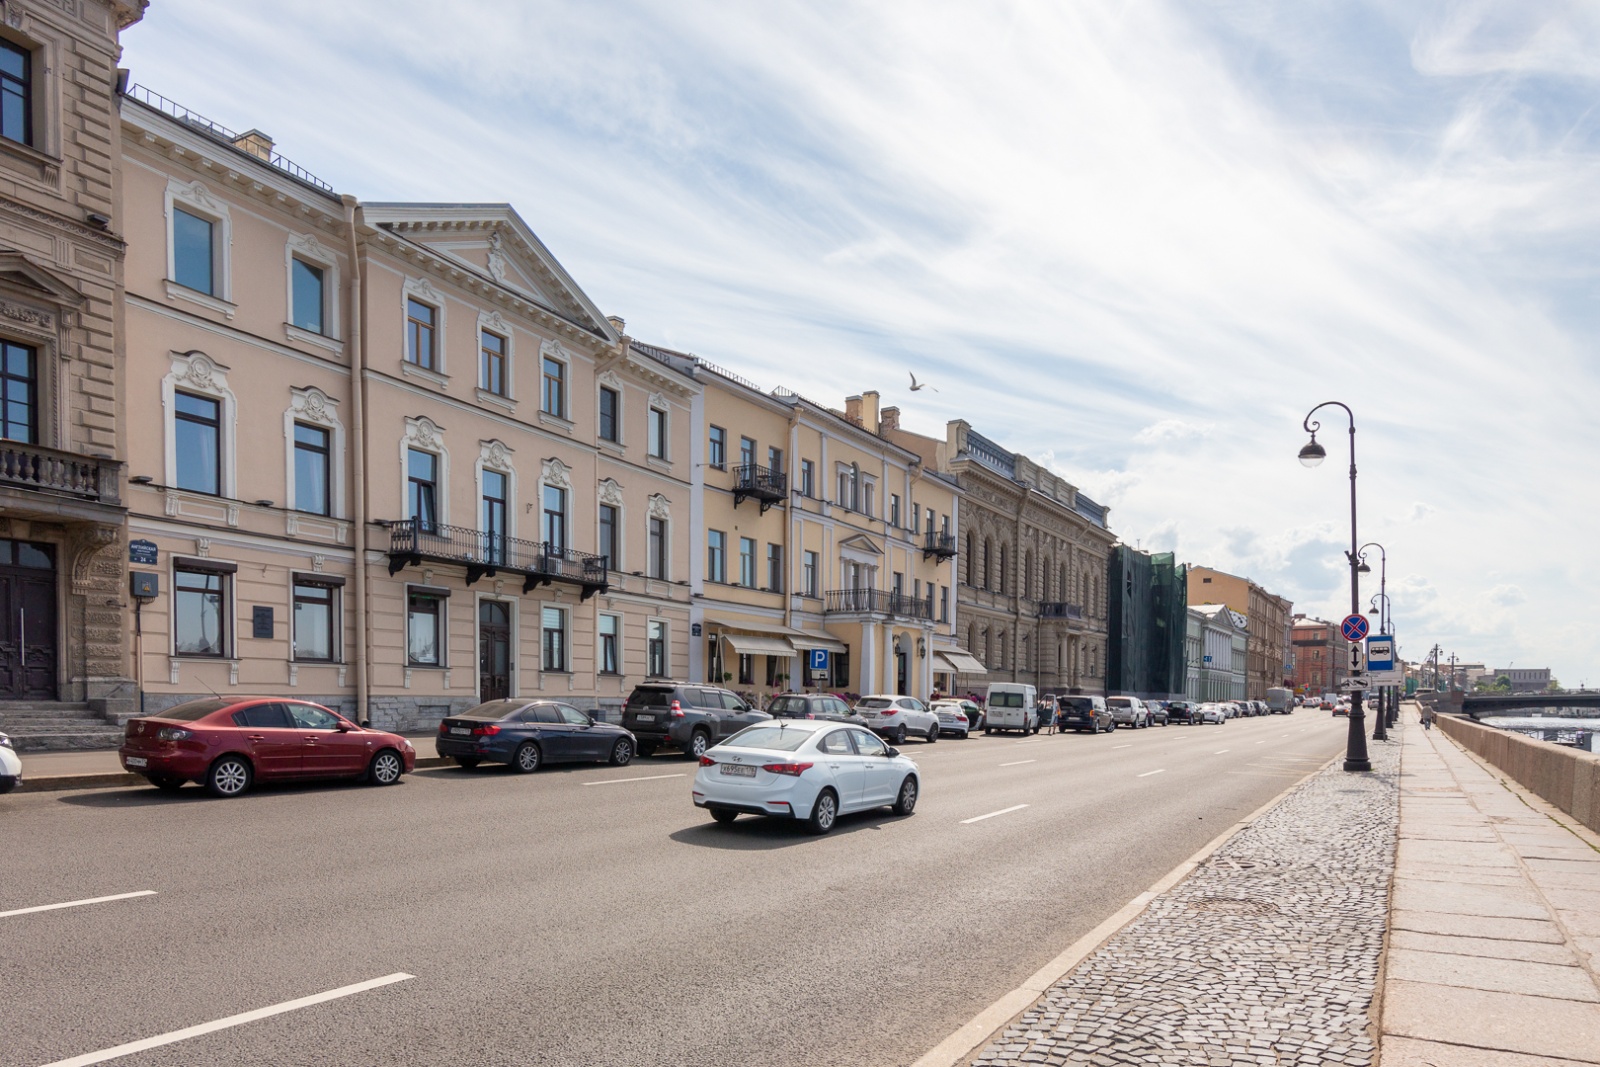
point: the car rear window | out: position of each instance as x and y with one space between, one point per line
777 738
1119 702
1006 700
873 703
1077 704
193 709
645 695
788 706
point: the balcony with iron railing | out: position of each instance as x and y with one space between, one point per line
939 545
486 554
754 482
876 602
1060 610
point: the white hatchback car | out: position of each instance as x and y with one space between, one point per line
10 766
806 769
895 716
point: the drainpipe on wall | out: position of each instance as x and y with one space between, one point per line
788 533
358 455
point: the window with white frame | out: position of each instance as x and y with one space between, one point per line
425 616
553 387
16 93
553 638
316 614
610 414
716 556
656 648
809 572
610 630
422 334
492 363
200 610
775 568
422 480
868 488
554 528
312 469
610 541
894 509
657 443
201 413
659 549
747 562
717 448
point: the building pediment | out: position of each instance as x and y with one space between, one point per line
26 278
860 544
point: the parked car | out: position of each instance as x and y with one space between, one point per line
527 734
1157 711
805 769
10 766
1084 714
956 716
896 716
230 743
1012 706
1185 711
1213 713
687 717
823 706
1128 711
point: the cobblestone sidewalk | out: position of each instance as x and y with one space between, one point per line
1267 954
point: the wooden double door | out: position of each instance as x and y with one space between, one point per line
494 650
28 615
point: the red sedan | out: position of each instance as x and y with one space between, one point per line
229 744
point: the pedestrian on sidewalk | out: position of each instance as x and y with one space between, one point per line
1427 718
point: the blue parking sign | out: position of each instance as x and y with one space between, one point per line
819 660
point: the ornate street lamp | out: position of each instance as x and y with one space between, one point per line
1380 716
1311 454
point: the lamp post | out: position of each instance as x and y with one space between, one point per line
1380 714
1311 454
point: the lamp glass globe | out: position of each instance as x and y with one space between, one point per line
1312 453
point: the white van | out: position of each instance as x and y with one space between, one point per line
1280 701
1012 706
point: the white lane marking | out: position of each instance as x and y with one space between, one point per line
77 903
1220 751
1029 741
1147 774
1128 745
231 1021
644 778
979 818
1019 763
1260 742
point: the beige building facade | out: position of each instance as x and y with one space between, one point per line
1270 623
1033 561
388 456
63 571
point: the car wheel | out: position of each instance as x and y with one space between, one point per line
987 732
527 759
699 741
166 783
647 748
622 753
724 815
229 777
824 813
900 734
933 733
468 762
386 768
906 801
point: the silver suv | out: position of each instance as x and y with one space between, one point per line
1128 711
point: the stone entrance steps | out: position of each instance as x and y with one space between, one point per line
49 726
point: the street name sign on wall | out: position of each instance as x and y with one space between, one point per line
1354 627
142 551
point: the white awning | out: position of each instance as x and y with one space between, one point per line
958 661
806 640
759 646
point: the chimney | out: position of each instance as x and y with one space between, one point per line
256 143
889 420
618 323
869 410
852 409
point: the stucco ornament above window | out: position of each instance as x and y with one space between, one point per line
660 507
496 455
557 474
610 492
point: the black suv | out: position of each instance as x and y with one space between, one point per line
685 716
1186 711
823 706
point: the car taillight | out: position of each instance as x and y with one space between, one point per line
173 733
442 727
677 710
794 769
886 712
810 716
707 761
485 731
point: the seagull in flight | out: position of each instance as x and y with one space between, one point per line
917 386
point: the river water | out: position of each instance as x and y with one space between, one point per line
1571 731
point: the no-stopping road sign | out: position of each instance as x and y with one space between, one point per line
1354 627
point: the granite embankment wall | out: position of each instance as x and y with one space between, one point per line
1566 777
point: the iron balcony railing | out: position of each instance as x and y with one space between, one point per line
1057 610
940 545
51 470
759 483
539 562
875 602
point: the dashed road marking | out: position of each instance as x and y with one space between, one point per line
642 778
1220 751
77 903
1147 774
187 1032
1019 763
1128 745
978 818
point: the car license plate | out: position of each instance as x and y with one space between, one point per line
461 731
644 718
738 771
137 761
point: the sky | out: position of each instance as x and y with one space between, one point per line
1136 240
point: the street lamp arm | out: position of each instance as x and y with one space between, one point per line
1312 426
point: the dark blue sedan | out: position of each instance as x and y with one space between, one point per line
527 734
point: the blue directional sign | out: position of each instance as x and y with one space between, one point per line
1354 627
818 661
1380 653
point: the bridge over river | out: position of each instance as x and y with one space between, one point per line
1478 705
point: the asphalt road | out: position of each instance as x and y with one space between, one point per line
571 918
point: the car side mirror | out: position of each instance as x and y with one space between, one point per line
891 752
344 727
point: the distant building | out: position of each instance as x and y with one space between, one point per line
1523 679
1223 643
1268 618
1147 607
1317 664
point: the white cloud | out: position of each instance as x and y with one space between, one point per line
1143 239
